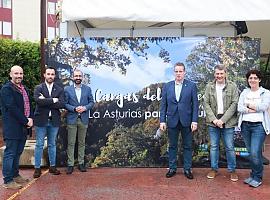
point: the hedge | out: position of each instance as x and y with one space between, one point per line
24 54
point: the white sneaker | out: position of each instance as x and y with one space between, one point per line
248 180
254 183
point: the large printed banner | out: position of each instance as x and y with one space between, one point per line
126 77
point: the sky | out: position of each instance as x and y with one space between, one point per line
141 72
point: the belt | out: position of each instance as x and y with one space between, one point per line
219 116
252 123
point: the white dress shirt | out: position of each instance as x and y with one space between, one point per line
178 89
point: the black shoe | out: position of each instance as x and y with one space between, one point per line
188 174
265 160
82 168
37 173
54 171
69 169
170 173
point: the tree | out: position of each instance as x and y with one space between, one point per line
133 146
237 54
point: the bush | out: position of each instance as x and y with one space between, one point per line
24 54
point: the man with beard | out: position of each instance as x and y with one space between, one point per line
78 102
49 99
17 121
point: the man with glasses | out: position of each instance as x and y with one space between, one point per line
78 102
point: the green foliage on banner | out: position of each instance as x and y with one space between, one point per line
24 54
265 69
236 54
133 146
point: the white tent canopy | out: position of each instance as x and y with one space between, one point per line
166 11
156 18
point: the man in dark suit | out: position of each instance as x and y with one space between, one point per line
49 99
17 123
179 108
78 102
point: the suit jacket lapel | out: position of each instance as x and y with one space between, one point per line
172 87
74 93
184 85
53 94
45 91
82 93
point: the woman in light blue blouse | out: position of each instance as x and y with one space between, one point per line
254 122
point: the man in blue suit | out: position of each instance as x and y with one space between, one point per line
17 121
179 108
78 101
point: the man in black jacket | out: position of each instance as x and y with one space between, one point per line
49 99
17 121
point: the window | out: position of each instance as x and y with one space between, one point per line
6 28
51 33
63 30
51 8
1 27
57 32
6 3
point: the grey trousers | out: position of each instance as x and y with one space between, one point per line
74 129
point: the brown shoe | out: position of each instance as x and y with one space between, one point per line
54 171
12 185
234 176
37 173
19 179
212 174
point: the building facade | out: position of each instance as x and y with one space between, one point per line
21 19
6 18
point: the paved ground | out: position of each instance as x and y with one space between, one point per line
139 183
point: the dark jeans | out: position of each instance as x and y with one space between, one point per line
254 136
173 134
11 158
